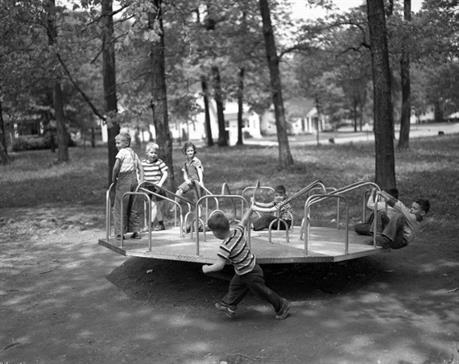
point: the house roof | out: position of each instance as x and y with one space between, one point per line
298 106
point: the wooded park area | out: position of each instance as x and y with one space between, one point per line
137 63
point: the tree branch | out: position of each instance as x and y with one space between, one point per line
78 88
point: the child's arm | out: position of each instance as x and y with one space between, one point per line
185 175
116 170
141 172
163 178
217 266
246 216
200 175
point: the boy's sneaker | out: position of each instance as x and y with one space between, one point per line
229 311
118 237
160 227
135 235
283 312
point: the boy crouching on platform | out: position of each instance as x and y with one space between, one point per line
248 274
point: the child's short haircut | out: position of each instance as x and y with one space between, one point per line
425 204
124 137
151 146
188 145
218 221
280 190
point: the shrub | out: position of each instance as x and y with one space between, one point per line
34 142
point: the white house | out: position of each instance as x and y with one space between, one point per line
301 115
195 128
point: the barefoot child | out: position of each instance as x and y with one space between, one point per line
248 274
124 175
156 172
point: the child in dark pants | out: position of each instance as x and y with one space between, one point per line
404 223
124 176
248 274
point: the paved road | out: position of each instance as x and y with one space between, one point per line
347 135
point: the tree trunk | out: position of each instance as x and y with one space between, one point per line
218 95
285 157
159 90
354 113
404 138
58 103
4 159
382 108
240 107
109 79
61 131
205 96
93 137
438 111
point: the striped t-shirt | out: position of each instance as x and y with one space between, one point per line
153 171
235 249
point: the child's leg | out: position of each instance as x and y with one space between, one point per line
236 291
132 211
394 231
122 186
256 284
154 209
263 222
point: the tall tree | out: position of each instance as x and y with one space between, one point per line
158 86
285 156
382 104
403 141
109 81
58 102
205 96
4 159
240 107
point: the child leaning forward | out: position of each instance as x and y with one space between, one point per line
248 275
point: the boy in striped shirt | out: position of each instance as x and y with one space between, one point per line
155 171
248 274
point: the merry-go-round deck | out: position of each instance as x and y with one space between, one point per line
324 245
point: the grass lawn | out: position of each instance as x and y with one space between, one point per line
429 169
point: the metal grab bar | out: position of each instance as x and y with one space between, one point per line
203 198
315 199
309 187
122 219
108 211
170 200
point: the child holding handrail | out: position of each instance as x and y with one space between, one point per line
155 172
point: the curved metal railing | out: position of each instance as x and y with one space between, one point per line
198 220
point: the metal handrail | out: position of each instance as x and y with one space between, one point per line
203 198
108 211
122 219
170 200
315 199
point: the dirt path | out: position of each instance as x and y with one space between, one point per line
65 299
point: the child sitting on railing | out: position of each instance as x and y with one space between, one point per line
284 212
192 172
